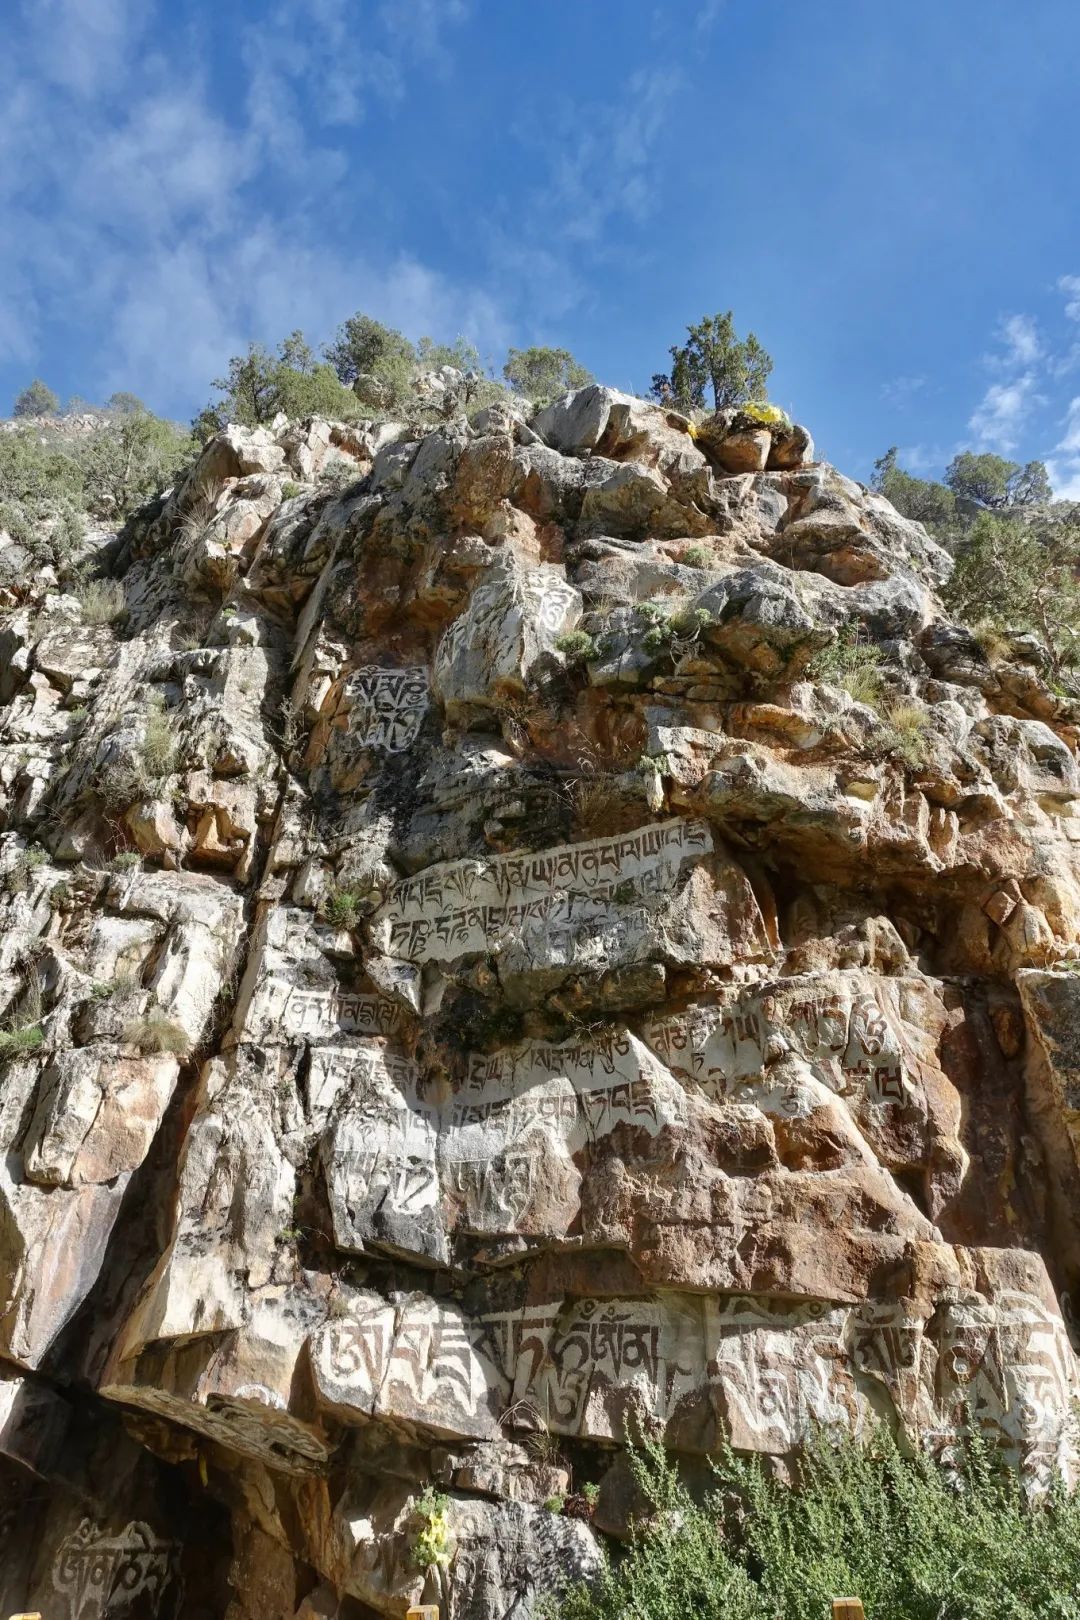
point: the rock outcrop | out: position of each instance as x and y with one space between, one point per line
480 984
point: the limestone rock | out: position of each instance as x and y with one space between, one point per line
475 981
514 618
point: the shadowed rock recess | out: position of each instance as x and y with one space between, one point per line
478 987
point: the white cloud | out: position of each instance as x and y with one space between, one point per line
1064 479
1070 286
169 228
921 458
1003 411
1021 340
1070 441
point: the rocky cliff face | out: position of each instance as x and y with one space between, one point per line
480 987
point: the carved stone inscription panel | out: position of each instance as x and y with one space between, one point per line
456 908
767 1370
496 1155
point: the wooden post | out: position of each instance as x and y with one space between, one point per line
847 1609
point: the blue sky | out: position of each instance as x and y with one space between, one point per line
885 192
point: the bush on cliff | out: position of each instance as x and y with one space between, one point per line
541 374
259 384
49 484
912 1540
736 369
37 399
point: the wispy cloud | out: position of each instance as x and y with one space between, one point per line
617 140
902 390
143 207
1001 415
1021 343
998 421
1070 286
1064 465
922 458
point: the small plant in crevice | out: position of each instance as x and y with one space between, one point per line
16 880
18 1037
994 644
338 475
555 1503
431 1544
577 646
156 1033
696 557
906 724
852 662
21 1031
342 907
673 633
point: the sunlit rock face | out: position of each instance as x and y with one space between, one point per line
477 986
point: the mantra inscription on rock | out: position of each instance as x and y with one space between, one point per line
387 706
489 1155
100 1575
457 908
767 1370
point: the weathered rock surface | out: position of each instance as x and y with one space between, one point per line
475 984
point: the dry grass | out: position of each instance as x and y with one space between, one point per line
995 644
101 600
200 510
907 722
155 1032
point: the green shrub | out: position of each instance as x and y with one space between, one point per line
128 459
576 646
432 1542
696 557
556 1503
259 384
912 1540
541 374
338 474
851 662
37 399
125 860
